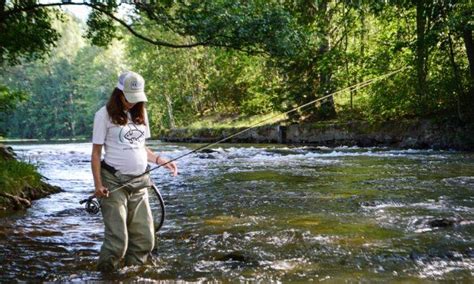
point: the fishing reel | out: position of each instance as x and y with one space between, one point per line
92 205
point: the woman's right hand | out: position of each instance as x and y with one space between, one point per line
101 191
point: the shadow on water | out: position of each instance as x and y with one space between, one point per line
263 213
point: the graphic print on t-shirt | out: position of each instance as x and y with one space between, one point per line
132 134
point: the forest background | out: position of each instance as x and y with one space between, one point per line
208 61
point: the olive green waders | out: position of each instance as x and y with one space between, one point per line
129 231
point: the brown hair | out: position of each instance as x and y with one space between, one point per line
116 109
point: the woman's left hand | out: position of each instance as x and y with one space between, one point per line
170 166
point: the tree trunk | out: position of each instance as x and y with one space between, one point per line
346 60
467 100
363 30
2 19
2 9
170 111
421 56
457 77
325 87
469 44
71 117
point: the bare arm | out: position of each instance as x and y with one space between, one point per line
154 158
100 190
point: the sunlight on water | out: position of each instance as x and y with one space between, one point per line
262 213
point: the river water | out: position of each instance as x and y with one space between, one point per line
262 213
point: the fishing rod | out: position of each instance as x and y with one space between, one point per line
94 206
350 88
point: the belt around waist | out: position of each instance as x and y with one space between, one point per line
113 170
108 167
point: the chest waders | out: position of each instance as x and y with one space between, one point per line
92 204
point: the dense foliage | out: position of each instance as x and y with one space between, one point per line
297 51
224 57
65 91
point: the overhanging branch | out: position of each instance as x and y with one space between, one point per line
112 16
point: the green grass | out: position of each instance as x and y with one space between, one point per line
15 175
235 121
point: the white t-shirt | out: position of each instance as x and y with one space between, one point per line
124 145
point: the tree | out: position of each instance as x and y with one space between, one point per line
27 34
64 92
422 27
257 55
184 84
8 102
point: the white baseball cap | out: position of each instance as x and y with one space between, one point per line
133 87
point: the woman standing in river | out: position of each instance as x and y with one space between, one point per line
121 128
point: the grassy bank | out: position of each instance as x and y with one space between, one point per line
235 121
15 175
20 182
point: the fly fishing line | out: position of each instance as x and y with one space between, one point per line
93 206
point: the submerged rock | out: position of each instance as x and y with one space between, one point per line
369 203
443 223
209 151
235 256
206 156
238 257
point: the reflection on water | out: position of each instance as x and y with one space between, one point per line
263 213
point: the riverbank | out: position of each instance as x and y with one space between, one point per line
20 182
414 134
